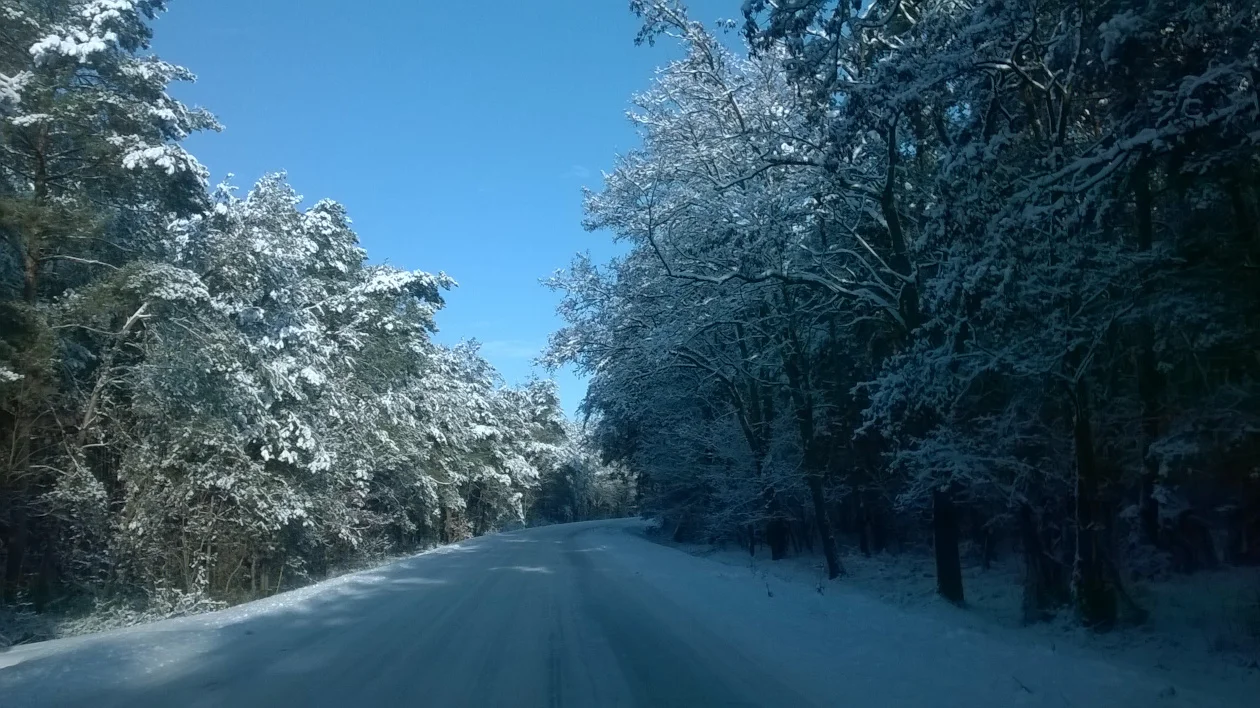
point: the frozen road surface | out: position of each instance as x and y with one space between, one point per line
574 615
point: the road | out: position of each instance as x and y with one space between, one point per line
571 615
534 618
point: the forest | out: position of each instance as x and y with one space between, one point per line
209 395
979 275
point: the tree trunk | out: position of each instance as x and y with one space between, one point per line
1149 380
982 536
30 277
945 538
797 367
1043 579
33 244
879 533
30 294
825 534
1245 222
1092 591
17 550
864 528
777 537
900 258
46 578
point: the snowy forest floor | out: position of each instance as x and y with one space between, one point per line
1203 629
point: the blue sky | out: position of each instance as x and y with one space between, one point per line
458 139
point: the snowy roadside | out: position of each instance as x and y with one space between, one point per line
23 627
1194 641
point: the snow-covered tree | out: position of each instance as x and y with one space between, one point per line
90 170
204 395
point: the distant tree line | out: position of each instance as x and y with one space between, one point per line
580 487
983 271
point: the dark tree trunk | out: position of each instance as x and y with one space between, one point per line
1191 544
945 538
909 305
864 528
1043 576
982 535
1148 509
1092 591
796 365
879 533
1243 545
46 580
1245 222
479 520
30 278
1149 380
825 534
777 538
16 553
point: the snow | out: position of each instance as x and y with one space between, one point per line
152 69
169 158
1117 31
29 119
170 283
75 45
1189 649
11 90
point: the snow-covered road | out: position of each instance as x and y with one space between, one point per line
574 615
